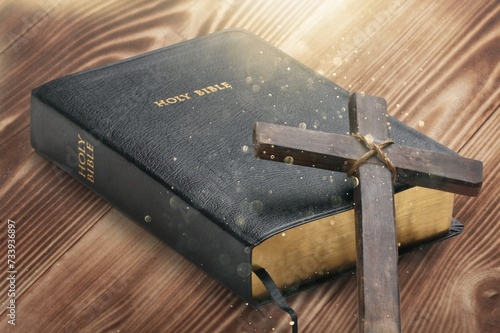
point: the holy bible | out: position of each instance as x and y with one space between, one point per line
166 137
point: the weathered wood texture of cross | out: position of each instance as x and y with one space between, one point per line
376 240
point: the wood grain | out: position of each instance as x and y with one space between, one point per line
83 267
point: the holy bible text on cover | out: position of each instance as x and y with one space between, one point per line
166 137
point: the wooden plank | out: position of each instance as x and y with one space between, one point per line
376 240
338 152
435 63
90 291
463 274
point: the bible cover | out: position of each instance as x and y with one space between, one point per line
166 137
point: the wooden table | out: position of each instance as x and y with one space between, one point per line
84 267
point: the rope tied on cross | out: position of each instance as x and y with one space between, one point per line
374 149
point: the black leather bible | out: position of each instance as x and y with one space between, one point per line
166 137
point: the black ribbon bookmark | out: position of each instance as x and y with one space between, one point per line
277 297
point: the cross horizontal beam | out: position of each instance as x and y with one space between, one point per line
337 152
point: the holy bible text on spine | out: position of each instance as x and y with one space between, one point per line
166 137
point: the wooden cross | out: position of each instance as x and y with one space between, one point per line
376 241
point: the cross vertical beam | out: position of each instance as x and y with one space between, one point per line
376 240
